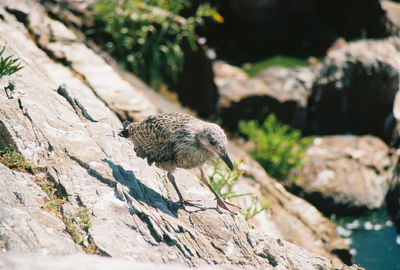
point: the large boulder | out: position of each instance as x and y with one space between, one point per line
344 174
355 89
279 90
117 205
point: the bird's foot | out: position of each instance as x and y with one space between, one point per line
192 206
225 207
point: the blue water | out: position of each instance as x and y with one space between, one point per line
372 239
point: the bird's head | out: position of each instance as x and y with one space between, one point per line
213 138
125 132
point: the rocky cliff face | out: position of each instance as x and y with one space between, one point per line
88 192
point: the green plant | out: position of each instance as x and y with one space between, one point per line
223 181
278 147
254 208
8 65
11 158
78 227
146 35
54 199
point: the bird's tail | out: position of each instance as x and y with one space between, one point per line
125 133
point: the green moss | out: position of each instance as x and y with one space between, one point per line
279 60
78 227
11 158
84 219
54 199
73 230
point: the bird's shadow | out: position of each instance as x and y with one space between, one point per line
141 192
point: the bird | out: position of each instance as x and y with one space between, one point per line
177 140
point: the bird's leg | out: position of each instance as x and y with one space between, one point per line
187 205
222 206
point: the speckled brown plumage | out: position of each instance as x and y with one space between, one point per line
177 140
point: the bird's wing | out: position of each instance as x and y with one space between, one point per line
161 128
156 136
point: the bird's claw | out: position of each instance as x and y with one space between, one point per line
225 207
190 206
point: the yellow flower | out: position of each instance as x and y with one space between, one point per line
217 17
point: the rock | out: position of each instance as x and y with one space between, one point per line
24 225
337 44
392 10
119 206
16 261
280 90
194 84
344 175
224 73
288 217
63 45
355 89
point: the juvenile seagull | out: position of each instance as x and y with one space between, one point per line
177 140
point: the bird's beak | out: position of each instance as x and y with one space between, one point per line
124 133
227 160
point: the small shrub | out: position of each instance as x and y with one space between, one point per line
278 147
8 65
11 158
223 180
146 35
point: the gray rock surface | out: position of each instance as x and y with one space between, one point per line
280 90
344 174
24 226
70 136
65 46
15 261
355 89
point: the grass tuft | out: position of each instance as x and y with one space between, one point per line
9 64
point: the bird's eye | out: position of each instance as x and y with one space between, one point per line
213 143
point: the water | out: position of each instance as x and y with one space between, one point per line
372 240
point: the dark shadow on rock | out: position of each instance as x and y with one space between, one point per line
141 192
